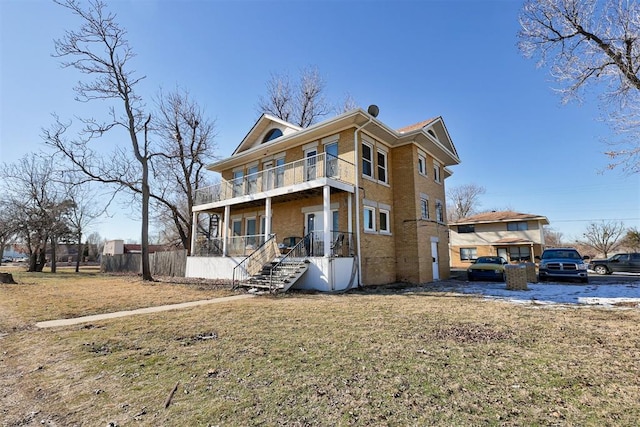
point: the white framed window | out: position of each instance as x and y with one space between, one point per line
367 160
252 178
382 167
424 208
369 218
439 211
238 183
383 214
436 171
422 164
468 254
279 172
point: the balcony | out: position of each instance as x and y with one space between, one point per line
315 171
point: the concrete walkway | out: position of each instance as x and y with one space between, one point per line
96 317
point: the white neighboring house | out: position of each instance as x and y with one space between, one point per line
515 236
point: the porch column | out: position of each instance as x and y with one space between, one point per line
326 214
225 229
267 218
194 228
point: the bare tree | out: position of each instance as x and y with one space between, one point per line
184 149
464 200
302 104
100 50
84 208
591 42
348 103
631 239
604 237
552 238
38 206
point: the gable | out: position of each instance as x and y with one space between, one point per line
266 130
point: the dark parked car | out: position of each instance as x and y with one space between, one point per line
624 263
562 263
487 268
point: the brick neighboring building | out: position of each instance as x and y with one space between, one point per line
372 218
517 237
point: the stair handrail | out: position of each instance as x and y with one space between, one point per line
301 250
267 250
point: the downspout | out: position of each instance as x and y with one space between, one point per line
357 182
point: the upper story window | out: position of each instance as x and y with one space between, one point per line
469 228
238 182
422 165
517 226
382 167
272 134
424 208
436 171
367 160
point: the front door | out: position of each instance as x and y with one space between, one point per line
502 252
310 164
435 258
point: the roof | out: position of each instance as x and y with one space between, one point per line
252 147
416 126
500 216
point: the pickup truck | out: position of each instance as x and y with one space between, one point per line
562 263
623 263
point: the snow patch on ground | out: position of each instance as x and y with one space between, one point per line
605 295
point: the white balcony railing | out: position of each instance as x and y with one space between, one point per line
311 168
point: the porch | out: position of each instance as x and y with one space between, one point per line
306 202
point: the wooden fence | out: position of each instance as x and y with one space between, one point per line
172 263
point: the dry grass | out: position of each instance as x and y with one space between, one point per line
299 359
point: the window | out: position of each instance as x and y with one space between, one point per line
331 162
470 228
251 232
436 171
236 227
439 211
382 166
252 179
367 160
424 208
517 226
272 134
238 183
280 172
422 165
369 219
384 221
468 254
519 253
310 164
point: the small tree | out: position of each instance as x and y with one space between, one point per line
604 237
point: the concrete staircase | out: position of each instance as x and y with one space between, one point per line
278 275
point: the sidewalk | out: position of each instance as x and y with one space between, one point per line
96 317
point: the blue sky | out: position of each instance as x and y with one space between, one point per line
414 59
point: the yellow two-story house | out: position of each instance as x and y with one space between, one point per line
358 202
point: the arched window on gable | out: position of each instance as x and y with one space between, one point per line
272 134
